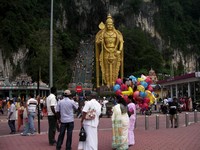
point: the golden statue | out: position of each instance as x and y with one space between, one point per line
109 53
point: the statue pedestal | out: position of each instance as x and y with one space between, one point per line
104 90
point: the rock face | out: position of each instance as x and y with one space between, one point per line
145 21
6 66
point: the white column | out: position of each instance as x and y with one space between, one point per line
51 49
161 92
176 90
189 89
171 90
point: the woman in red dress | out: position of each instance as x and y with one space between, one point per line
20 116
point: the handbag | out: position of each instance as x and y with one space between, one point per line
90 114
82 135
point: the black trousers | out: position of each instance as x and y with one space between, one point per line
70 127
52 129
11 124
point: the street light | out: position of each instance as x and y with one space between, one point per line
51 49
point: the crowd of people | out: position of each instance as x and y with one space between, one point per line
61 113
184 104
21 113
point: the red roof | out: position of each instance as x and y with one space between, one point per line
185 76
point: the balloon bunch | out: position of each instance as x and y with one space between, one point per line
139 88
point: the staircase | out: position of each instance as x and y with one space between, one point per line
83 67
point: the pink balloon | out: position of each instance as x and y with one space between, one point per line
126 99
136 94
118 81
139 99
140 105
124 87
150 88
118 92
138 83
146 100
145 105
148 80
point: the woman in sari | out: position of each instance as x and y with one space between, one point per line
120 124
20 116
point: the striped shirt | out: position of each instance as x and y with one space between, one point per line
32 105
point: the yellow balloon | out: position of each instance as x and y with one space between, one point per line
151 102
140 88
140 79
148 93
126 93
152 98
129 92
130 89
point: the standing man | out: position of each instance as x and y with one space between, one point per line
31 107
12 117
173 105
51 103
65 115
90 125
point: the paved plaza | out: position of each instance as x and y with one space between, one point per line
182 138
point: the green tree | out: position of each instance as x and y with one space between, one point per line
139 52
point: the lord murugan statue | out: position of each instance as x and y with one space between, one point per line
109 53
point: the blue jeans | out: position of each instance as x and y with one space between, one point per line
70 127
30 127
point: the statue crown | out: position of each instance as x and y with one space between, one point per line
109 19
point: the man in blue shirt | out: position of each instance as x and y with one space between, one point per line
65 115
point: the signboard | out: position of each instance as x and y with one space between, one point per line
78 88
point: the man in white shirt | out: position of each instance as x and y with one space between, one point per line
90 126
12 117
165 101
31 107
51 103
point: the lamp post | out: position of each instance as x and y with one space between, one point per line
51 49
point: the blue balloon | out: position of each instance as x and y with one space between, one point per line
143 94
134 79
116 87
145 84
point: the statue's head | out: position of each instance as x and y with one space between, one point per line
109 19
109 22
